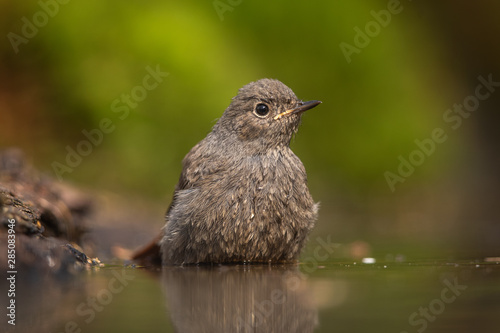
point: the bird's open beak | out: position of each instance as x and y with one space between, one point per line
303 106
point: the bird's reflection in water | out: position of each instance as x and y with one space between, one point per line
239 299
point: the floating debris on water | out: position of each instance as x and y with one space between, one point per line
368 260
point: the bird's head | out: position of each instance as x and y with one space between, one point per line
265 114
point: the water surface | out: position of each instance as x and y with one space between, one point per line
431 296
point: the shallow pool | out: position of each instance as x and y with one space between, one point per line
430 296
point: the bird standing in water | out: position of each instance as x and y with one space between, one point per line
242 196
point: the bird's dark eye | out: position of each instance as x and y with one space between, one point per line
261 110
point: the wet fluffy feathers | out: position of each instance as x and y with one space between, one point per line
242 195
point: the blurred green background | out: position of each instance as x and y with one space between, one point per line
65 65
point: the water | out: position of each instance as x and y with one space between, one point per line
330 297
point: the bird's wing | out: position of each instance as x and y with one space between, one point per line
196 165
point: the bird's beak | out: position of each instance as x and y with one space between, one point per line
303 106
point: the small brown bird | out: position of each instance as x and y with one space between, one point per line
242 196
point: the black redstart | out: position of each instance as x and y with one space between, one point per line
242 196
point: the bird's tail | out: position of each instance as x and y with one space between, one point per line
149 254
